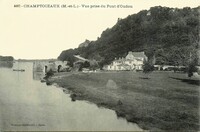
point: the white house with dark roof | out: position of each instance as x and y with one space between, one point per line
133 61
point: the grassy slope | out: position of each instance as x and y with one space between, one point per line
156 103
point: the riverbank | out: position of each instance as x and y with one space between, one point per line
160 103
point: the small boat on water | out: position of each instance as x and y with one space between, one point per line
21 70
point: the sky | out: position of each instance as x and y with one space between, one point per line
43 33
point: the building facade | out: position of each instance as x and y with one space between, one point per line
133 61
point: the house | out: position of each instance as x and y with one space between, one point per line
133 61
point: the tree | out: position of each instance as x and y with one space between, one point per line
6 58
147 68
68 55
191 68
94 65
192 65
50 73
82 65
169 33
86 64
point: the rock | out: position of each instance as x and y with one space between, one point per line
48 83
111 84
43 80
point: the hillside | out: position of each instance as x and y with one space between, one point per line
6 61
6 58
84 44
169 34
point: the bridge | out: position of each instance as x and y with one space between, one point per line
46 65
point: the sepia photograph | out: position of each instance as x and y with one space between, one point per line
99 65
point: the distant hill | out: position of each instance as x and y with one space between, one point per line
32 60
6 61
6 58
170 35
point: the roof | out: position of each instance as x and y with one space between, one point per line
138 59
138 54
133 55
80 58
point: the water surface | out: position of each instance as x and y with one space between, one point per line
27 104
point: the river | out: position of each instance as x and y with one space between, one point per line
26 104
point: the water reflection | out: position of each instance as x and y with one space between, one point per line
29 105
6 64
38 75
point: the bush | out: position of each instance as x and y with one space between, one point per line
49 73
191 68
147 67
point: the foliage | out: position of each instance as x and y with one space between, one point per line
6 58
86 64
147 67
192 65
94 65
82 65
7 64
170 34
191 68
49 73
68 55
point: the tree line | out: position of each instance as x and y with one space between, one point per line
6 58
169 35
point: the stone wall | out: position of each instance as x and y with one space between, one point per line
44 66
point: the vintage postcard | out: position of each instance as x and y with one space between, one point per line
99 65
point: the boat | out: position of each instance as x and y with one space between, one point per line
22 70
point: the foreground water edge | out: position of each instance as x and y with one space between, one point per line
29 105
